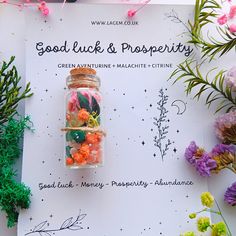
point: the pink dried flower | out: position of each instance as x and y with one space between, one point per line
225 127
131 13
232 12
43 8
73 102
45 11
222 19
231 78
232 28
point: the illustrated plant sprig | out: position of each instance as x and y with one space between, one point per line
70 224
216 88
162 128
10 91
205 13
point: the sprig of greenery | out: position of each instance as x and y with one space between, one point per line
13 195
10 91
205 13
218 91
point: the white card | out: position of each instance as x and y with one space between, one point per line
138 191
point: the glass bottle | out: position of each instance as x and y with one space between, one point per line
84 136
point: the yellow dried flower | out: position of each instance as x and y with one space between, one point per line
207 199
219 229
203 223
188 234
192 215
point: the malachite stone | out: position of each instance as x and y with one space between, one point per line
68 151
78 136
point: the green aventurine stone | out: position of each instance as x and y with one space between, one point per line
68 151
78 136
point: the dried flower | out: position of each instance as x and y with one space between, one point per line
193 152
83 115
207 199
222 19
232 28
225 127
72 104
230 78
192 215
224 156
232 12
191 233
203 223
131 13
199 159
205 164
219 229
230 195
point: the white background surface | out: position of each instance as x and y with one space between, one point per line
12 43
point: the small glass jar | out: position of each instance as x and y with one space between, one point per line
84 136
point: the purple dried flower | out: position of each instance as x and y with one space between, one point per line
205 164
222 149
193 152
225 127
230 195
200 159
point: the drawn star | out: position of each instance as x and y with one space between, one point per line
30 218
150 105
168 120
121 229
175 150
143 142
187 196
154 154
59 159
177 131
46 90
51 216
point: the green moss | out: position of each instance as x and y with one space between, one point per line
13 195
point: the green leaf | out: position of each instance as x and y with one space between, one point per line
95 106
68 151
83 101
195 81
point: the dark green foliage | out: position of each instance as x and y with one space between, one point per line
83 101
216 88
68 148
10 91
13 195
95 106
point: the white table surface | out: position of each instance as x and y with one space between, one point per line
12 43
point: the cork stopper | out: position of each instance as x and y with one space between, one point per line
83 77
83 70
